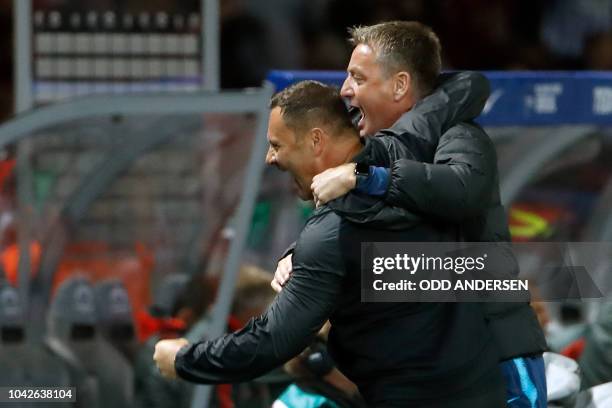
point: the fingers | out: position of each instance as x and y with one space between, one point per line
282 273
320 198
280 276
332 183
169 374
160 360
285 267
318 182
276 286
319 194
314 187
165 354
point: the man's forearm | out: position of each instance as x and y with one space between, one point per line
236 357
266 342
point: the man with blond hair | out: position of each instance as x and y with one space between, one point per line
394 69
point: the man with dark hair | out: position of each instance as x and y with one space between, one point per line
391 75
302 107
398 354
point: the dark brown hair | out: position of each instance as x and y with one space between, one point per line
404 46
309 104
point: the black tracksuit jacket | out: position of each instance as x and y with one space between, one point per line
397 353
452 177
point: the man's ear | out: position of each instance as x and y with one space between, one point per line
317 138
401 85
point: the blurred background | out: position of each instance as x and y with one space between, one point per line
148 218
300 34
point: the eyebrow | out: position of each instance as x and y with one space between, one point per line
354 71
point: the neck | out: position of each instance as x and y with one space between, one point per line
343 151
353 150
408 103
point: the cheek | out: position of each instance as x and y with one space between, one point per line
302 167
360 91
369 96
289 162
378 102
280 161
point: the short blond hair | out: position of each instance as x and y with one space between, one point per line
404 46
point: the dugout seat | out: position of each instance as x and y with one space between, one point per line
72 334
115 317
23 361
166 294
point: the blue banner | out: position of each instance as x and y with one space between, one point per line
518 98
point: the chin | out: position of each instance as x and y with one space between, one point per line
365 131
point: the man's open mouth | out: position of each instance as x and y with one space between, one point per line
357 116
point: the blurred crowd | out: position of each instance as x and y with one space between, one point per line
475 34
257 36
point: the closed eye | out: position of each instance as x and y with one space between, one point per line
355 75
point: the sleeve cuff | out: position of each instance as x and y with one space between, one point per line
181 356
377 182
290 250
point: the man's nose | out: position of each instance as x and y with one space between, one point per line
346 91
270 157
